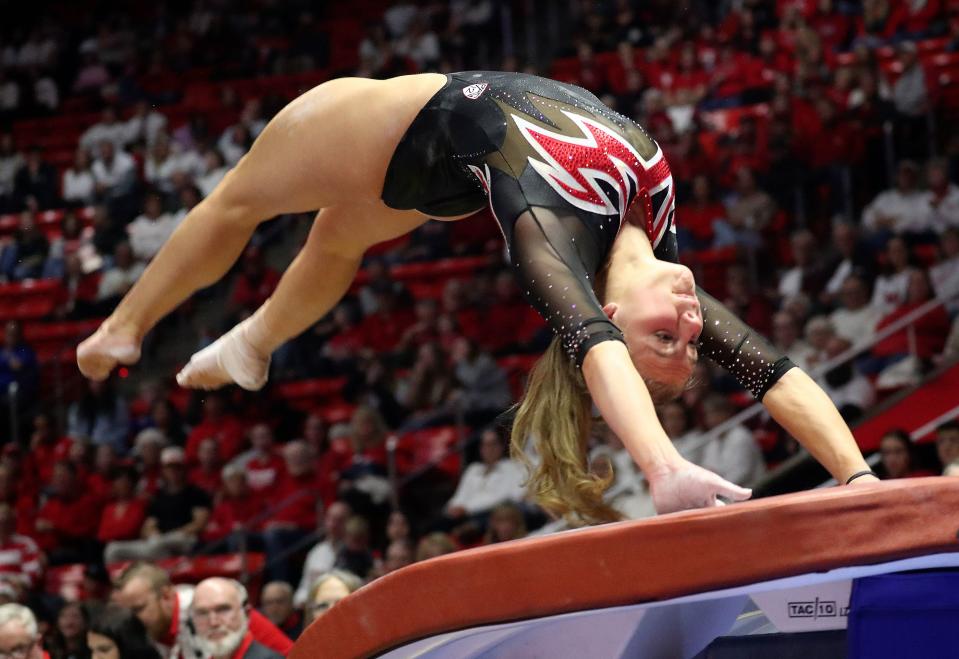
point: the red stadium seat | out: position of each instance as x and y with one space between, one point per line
48 355
29 288
434 446
28 309
186 569
59 332
565 70
847 58
426 289
932 45
440 269
307 394
66 581
9 223
335 412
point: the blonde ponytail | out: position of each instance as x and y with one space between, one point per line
556 414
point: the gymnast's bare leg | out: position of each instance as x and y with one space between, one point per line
327 149
315 281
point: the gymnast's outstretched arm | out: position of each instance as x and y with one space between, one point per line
624 401
800 406
793 399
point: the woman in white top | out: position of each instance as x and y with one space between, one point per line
214 169
891 286
79 186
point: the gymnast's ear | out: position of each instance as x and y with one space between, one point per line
610 309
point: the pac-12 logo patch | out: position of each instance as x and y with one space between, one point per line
475 91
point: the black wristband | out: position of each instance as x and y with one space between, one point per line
867 472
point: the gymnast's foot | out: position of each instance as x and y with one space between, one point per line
110 345
231 358
685 485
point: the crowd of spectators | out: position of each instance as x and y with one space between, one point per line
838 176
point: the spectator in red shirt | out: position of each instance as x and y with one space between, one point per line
164 609
78 297
293 501
749 211
687 84
423 330
206 474
219 424
123 516
21 562
731 77
592 75
146 450
236 508
176 515
276 603
383 329
455 303
506 308
101 415
263 463
316 433
427 384
929 331
165 417
45 449
254 283
899 458
347 340
915 19
831 25
23 503
695 225
99 481
67 521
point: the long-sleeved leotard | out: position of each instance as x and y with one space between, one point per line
559 170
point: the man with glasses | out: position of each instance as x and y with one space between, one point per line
221 622
164 609
19 638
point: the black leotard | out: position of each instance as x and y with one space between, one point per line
559 170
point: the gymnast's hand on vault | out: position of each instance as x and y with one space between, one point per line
685 485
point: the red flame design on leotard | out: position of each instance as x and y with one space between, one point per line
574 166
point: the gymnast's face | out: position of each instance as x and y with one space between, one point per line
662 320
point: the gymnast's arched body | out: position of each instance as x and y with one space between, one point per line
585 201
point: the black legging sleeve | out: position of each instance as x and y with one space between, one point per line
738 348
730 342
555 259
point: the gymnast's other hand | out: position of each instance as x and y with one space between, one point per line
105 349
683 485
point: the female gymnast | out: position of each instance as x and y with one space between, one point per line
585 201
